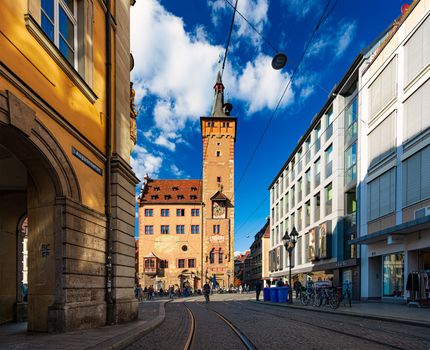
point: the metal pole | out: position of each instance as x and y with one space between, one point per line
290 290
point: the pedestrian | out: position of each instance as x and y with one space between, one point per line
258 286
150 292
161 292
171 292
206 291
297 288
280 283
240 289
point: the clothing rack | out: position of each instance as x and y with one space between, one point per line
418 286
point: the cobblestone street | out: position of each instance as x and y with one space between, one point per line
271 327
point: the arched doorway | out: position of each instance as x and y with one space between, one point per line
34 175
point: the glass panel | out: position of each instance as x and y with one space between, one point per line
66 27
394 275
47 27
48 8
69 4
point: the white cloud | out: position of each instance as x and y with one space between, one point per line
144 162
179 68
260 86
334 40
255 11
301 9
176 171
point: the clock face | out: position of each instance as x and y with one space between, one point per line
218 211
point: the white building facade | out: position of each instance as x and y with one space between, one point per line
394 170
315 192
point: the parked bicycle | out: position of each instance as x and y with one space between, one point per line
345 296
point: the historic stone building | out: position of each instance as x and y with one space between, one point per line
66 134
214 196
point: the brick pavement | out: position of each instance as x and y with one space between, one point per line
14 336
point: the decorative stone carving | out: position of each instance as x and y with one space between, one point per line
133 115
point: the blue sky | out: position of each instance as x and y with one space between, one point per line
177 45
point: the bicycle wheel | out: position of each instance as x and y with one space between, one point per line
334 301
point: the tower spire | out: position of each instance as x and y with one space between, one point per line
218 109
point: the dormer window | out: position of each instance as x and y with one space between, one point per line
154 196
193 188
167 196
157 188
180 196
175 188
193 196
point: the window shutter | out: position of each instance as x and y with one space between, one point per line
384 194
374 199
413 58
412 168
425 173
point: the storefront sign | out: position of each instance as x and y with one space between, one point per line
86 161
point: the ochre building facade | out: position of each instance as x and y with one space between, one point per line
66 134
213 245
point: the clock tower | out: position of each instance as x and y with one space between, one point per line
219 136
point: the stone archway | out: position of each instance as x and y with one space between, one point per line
35 178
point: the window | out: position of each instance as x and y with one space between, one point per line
417 112
59 22
317 167
220 256
154 196
299 250
167 196
287 202
195 229
195 212
193 188
382 140
181 263
277 213
299 162
329 117
293 221
299 219
175 188
328 199
149 229
193 196
307 182
216 229
191 263
180 229
164 212
218 153
381 195
293 196
383 88
308 149
351 164
416 177
351 121
165 229
281 207
282 183
164 264
149 212
212 256
180 212
317 137
317 200
417 51
394 271
299 190
180 196
307 213
329 161
218 179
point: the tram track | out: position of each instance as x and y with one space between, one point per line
192 332
283 317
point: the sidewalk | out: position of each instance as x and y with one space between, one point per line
151 315
401 313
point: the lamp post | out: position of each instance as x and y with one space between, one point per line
289 241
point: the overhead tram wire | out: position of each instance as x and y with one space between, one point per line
320 21
229 37
339 114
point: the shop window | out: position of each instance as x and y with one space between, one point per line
394 269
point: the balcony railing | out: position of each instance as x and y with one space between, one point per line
150 270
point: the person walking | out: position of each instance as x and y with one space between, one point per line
240 289
171 291
258 286
206 291
297 288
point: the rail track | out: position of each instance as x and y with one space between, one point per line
192 332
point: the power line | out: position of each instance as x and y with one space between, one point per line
229 36
338 115
322 18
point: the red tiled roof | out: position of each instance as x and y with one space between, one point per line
171 191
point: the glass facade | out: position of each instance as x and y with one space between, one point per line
351 121
394 271
351 164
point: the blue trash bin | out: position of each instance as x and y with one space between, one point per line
266 294
274 294
282 294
